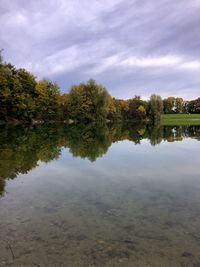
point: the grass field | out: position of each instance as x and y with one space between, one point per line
180 119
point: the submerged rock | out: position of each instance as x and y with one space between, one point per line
187 254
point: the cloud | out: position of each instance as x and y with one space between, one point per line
130 46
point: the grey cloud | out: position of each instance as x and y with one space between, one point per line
130 46
157 27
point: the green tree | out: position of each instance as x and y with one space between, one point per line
179 105
156 108
88 102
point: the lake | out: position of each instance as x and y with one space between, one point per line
100 195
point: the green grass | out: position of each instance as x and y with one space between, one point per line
180 119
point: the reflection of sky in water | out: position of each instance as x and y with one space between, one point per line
145 197
126 160
176 162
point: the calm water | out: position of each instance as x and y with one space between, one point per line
100 196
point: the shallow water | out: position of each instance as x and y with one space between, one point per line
100 196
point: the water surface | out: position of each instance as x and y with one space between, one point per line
100 195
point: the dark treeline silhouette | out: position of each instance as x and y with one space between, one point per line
25 100
22 148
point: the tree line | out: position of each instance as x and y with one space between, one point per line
24 99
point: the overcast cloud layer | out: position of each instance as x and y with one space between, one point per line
133 47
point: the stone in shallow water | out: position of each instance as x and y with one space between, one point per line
187 254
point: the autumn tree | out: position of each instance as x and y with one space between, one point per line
47 97
169 105
137 109
63 100
16 93
118 109
194 106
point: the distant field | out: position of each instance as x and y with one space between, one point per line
180 119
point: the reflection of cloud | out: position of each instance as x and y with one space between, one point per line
132 47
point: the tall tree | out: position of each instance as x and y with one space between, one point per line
179 105
156 108
88 102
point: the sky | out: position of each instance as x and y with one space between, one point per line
132 47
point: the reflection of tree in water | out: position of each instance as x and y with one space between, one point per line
21 149
2 186
178 133
88 141
155 134
93 140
